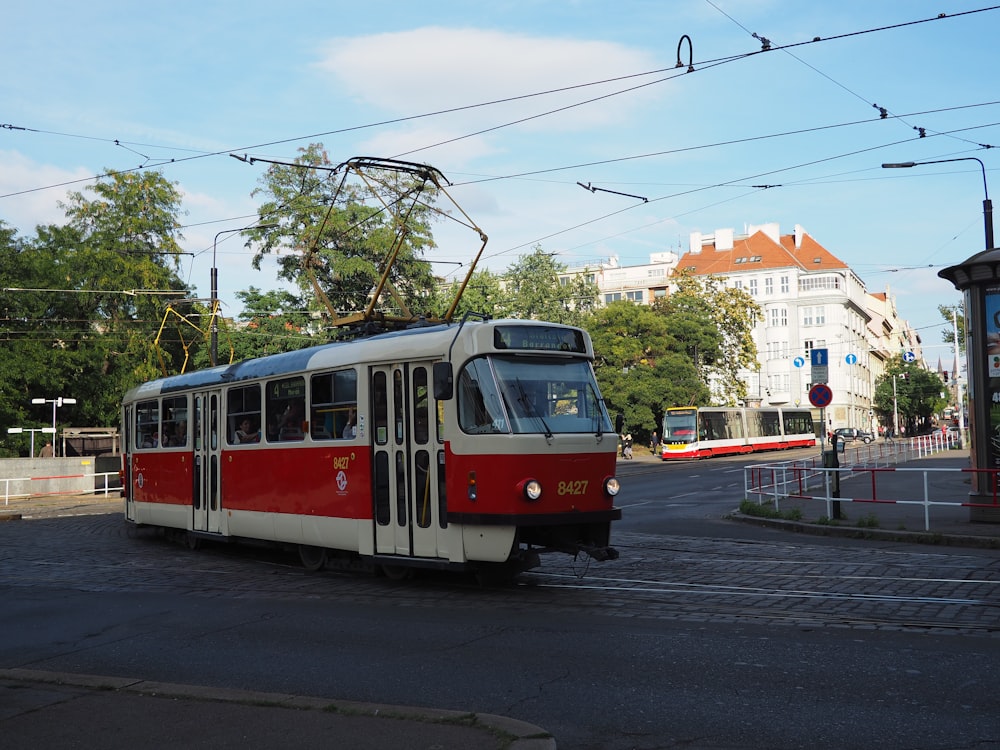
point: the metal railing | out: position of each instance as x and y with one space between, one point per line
877 463
109 481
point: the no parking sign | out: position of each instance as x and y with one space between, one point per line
820 395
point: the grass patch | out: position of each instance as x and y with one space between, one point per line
869 521
750 508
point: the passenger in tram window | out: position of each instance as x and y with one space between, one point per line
246 433
290 424
351 428
181 434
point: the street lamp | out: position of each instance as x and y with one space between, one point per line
987 204
32 430
56 403
214 340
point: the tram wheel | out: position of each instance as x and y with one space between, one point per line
192 541
313 558
397 572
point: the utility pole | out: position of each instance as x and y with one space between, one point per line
958 381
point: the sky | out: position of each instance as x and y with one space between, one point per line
519 102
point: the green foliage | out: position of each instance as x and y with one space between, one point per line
916 398
638 367
342 237
954 319
536 292
715 325
81 306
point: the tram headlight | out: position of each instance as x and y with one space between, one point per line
612 486
531 488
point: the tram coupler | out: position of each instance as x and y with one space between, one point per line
601 554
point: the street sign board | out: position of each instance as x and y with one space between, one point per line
820 365
820 395
909 357
851 359
799 361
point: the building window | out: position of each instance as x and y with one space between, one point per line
820 313
753 287
784 285
737 284
613 297
778 317
633 296
807 316
769 286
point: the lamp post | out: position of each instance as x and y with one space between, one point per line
214 338
56 403
32 430
987 204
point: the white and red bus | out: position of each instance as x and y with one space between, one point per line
474 445
700 432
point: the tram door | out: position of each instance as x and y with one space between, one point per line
127 465
205 505
405 460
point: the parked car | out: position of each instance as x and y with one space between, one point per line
850 434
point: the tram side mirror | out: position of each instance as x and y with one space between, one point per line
619 423
444 381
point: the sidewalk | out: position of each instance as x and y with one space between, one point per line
53 710
886 521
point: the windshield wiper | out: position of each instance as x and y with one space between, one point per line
530 409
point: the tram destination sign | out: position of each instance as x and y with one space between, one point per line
542 338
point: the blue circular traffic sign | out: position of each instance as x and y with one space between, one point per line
820 395
799 361
909 357
851 359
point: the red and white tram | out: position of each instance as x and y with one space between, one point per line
701 432
474 446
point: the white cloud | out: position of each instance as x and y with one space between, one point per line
24 206
436 68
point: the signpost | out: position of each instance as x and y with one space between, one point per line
820 365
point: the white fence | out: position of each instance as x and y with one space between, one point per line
63 484
880 480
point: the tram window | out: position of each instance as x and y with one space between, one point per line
421 412
479 407
334 404
286 409
421 489
174 429
397 404
442 492
243 414
380 415
147 424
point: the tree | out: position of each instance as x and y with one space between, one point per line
734 315
638 367
83 300
536 291
915 396
271 322
954 317
342 237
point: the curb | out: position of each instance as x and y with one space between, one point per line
859 532
522 735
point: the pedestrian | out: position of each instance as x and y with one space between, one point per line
47 451
654 441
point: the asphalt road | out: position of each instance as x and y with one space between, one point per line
686 641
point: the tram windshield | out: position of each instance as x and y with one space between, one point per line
680 426
530 395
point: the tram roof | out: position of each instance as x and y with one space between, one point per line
381 347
